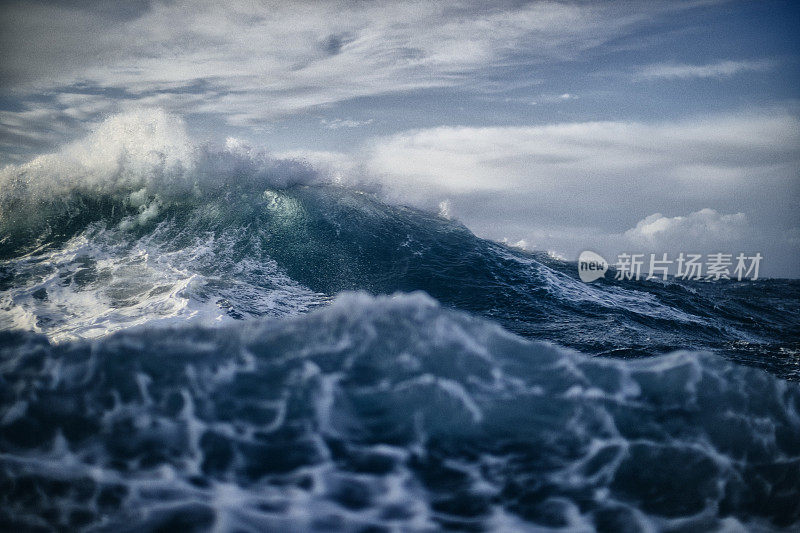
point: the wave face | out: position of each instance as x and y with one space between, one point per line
255 249
170 359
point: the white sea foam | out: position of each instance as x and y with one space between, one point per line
99 282
315 423
141 154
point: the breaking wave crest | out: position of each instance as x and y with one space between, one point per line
130 169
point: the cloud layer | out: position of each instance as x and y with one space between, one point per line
721 69
702 230
247 63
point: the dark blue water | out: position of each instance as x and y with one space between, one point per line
171 360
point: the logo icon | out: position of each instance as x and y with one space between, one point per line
591 266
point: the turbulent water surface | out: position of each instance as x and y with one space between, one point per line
194 339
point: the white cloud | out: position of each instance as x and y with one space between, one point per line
571 186
699 159
721 69
249 62
338 123
546 99
699 230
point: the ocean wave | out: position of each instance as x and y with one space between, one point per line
103 280
132 167
222 389
387 412
137 224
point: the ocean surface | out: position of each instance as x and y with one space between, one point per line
213 340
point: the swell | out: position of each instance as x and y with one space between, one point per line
138 224
320 240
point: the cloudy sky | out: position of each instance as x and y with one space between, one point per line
610 126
